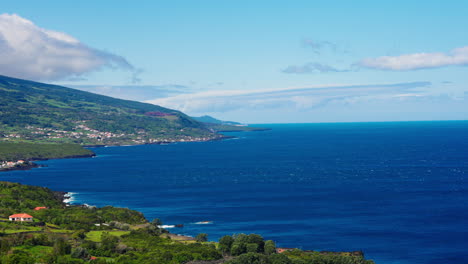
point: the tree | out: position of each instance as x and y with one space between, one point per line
279 259
225 243
250 258
79 252
202 237
19 257
256 239
237 249
270 247
4 245
108 242
251 247
61 247
156 222
80 234
241 238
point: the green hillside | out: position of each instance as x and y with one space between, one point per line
216 125
34 151
60 234
212 120
32 111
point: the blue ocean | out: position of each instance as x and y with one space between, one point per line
397 190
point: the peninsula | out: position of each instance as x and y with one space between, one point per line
41 121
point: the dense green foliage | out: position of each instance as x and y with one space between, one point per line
305 257
35 151
82 217
43 112
17 198
83 234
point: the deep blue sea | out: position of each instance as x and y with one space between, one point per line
398 190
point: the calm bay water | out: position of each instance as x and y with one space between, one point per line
397 191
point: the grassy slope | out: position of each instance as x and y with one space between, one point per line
30 151
26 103
212 120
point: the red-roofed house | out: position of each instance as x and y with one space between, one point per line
281 250
39 208
21 218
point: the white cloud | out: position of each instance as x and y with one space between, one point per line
30 52
291 98
417 61
312 67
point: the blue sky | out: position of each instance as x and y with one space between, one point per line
251 61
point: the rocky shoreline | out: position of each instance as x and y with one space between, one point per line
29 164
26 166
222 137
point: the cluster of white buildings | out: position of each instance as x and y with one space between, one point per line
11 164
81 131
12 135
93 133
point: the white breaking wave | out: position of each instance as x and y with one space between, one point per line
203 223
69 198
166 226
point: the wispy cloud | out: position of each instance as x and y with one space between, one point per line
319 46
299 98
311 67
418 61
31 52
135 92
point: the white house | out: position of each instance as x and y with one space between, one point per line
21 218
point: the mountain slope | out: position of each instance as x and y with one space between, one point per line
212 120
217 125
41 112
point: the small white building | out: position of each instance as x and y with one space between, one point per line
21 218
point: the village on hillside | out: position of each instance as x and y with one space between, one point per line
12 164
83 134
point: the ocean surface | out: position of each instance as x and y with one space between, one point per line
398 190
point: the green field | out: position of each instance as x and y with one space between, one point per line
95 236
36 151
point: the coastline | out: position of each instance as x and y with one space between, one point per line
29 166
221 137
250 130
29 162
67 198
32 165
